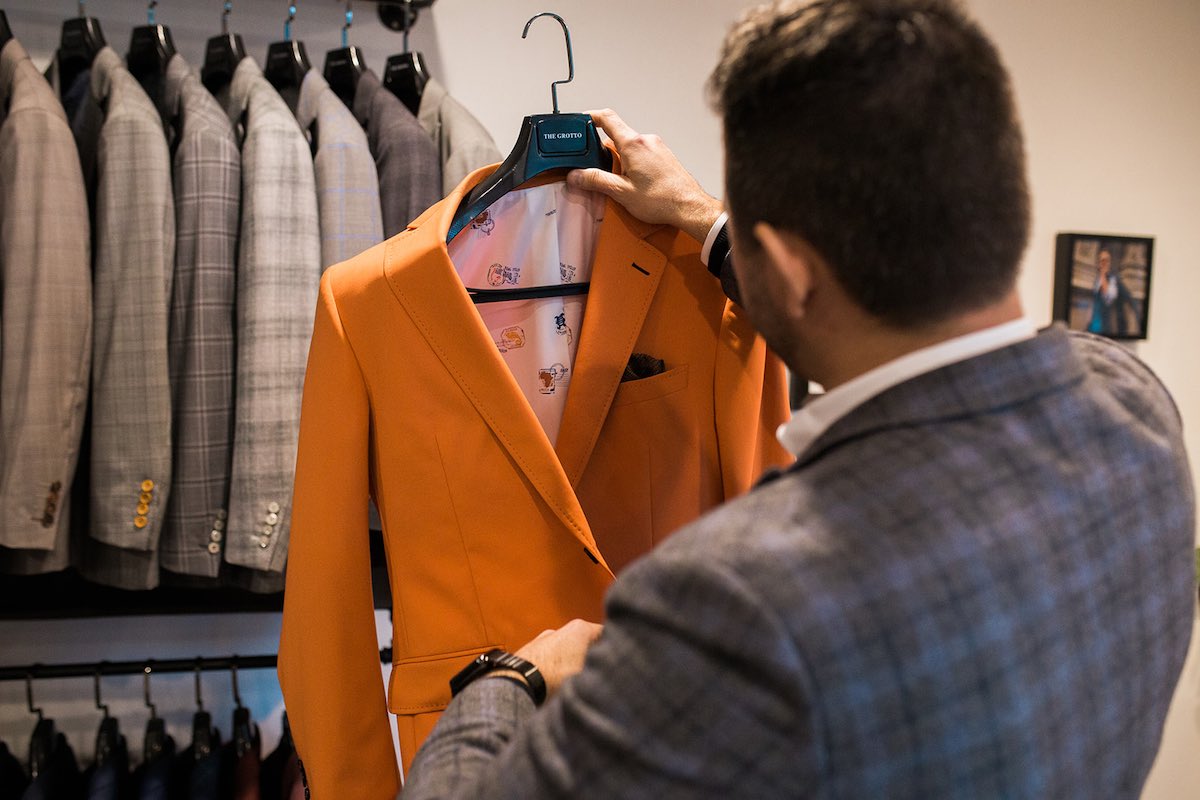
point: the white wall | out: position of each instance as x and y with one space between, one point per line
1107 89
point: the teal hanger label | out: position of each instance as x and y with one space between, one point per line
563 134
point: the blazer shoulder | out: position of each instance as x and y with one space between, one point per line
362 274
1123 375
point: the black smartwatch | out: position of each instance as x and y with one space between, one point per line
534 684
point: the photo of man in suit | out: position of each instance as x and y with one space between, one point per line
944 596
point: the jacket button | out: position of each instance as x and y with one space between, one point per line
145 497
272 518
142 508
140 522
214 548
273 507
147 485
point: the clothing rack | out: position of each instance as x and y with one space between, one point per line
155 666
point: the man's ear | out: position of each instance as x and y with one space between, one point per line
793 267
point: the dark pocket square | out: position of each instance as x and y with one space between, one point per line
642 366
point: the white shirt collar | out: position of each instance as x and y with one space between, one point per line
819 414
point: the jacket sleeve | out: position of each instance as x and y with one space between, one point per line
751 402
46 290
329 655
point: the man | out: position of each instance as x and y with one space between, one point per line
976 580
1110 300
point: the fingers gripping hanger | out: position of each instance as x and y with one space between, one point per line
287 63
344 66
546 142
405 74
81 40
222 54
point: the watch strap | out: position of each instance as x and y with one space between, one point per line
498 659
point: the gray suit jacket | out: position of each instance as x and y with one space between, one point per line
279 270
45 317
464 145
410 171
124 152
347 184
207 182
979 583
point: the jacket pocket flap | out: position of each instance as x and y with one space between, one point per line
422 684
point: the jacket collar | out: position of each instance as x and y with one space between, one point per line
989 382
625 276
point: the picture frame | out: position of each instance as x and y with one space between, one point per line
1102 283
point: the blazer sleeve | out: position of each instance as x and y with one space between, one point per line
328 654
695 689
131 393
750 398
46 291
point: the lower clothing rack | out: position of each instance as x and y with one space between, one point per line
150 665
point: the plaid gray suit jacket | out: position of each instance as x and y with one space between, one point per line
124 153
200 350
977 584
347 184
410 172
279 270
464 145
45 317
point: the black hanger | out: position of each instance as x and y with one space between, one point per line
44 738
287 63
150 48
245 732
81 40
546 142
204 738
222 54
156 743
344 66
5 31
405 74
110 744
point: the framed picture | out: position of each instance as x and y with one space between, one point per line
1102 283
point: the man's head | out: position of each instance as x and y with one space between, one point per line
882 136
1105 262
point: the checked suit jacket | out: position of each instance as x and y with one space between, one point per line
493 534
45 317
978 583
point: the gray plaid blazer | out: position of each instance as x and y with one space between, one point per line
200 348
124 153
45 317
279 270
464 145
410 172
979 583
347 184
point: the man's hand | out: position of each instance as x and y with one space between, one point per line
558 654
654 186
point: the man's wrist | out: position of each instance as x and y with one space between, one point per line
698 216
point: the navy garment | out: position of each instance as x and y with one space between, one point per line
152 780
13 780
60 779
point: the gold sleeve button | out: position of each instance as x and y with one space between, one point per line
145 497
147 485
140 522
142 508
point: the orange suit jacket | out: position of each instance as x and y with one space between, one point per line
493 535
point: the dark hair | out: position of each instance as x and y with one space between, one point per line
882 132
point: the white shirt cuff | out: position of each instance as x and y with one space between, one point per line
706 251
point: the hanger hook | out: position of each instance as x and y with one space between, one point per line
407 21
287 26
199 699
146 692
237 695
96 685
570 55
225 12
82 8
29 697
349 22
150 12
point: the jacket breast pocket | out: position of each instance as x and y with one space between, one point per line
664 383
